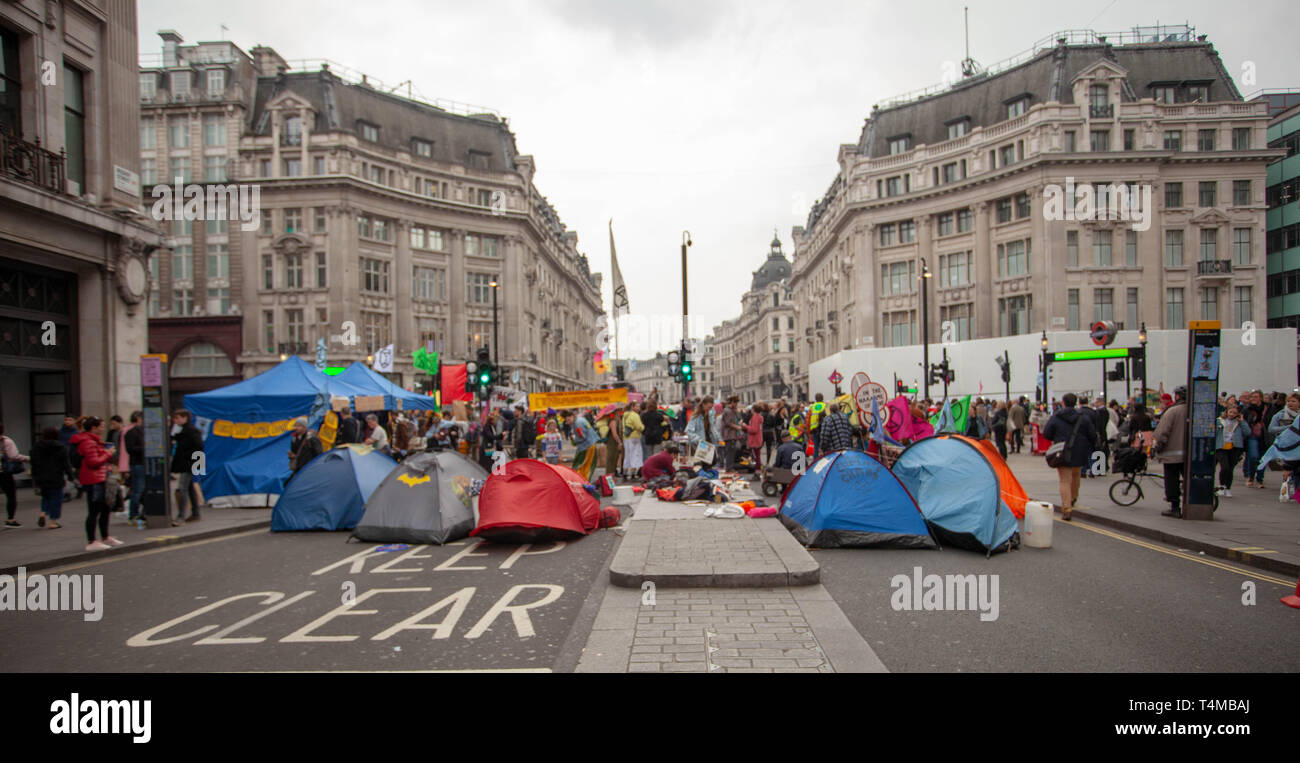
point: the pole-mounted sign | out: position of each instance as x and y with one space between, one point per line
1202 410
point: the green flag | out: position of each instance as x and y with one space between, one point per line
953 418
425 361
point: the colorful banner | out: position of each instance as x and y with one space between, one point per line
582 398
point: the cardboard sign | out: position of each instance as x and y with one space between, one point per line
370 402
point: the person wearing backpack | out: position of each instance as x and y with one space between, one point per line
1074 431
50 467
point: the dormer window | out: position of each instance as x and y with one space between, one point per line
216 83
900 144
479 160
422 148
292 133
1198 93
1017 106
180 85
1163 93
958 128
368 131
148 86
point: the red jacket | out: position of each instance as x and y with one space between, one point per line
94 458
754 430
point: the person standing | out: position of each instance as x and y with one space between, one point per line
13 464
699 430
69 430
1073 427
50 467
1229 438
1017 418
1170 448
613 443
655 427
1254 414
633 429
303 447
1000 418
133 443
815 413
732 433
93 474
754 436
584 440
349 429
835 431
552 441
188 441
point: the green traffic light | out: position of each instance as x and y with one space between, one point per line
484 378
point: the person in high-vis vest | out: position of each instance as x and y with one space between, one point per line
815 413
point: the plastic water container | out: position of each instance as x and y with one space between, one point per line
1038 524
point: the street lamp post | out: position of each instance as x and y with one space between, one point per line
686 337
925 326
496 357
1047 399
1142 340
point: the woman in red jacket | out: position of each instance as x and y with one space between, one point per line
754 435
92 476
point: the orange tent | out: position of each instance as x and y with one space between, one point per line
1012 492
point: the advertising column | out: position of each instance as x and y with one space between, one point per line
157 441
1202 410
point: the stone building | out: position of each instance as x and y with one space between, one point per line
969 183
754 355
382 220
73 243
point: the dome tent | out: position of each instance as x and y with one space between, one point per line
958 491
532 501
330 493
428 498
849 499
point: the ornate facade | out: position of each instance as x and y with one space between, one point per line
753 356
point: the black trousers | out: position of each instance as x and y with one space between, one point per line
1000 436
1227 463
11 494
97 510
1017 439
1174 485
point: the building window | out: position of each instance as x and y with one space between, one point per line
1007 155
1210 303
1208 194
1205 140
899 145
1242 304
1174 318
74 124
180 85
954 269
218 262
178 132
1072 318
477 289
1099 140
422 148
1072 248
1004 210
374 275
292 168
1198 93
1173 140
965 220
318 165
148 82
214 169
1241 139
482 246
1013 258
1013 315
1022 206
183 264
906 232
381 229
479 160
376 327
1101 240
218 300
1241 193
267 227
1132 313
1173 249
214 130
268 328
887 234
182 301
202 359
430 284
321 271
216 83
293 220
897 278
1103 308
1131 248
1241 246
962 319
320 219
893 186
148 172
1070 146
148 132
958 128
898 328
1128 140
431 331
1173 195
180 168
1017 107
293 271
266 168
268 272
1209 244
945 224
368 132
1164 94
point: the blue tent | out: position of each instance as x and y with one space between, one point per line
958 492
246 425
330 493
361 375
850 499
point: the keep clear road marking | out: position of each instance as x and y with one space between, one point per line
1179 554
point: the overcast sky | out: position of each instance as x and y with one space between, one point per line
721 117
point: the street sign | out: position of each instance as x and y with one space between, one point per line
1202 409
835 377
1114 352
156 504
1103 333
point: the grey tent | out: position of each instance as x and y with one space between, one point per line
427 499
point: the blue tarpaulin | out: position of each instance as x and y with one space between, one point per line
849 499
360 375
330 493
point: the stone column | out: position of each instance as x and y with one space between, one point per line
986 306
403 317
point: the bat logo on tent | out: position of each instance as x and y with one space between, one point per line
412 481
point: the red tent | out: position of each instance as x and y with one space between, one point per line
533 501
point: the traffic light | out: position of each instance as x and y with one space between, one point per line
899 387
686 368
1005 365
484 374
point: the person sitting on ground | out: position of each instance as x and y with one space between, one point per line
375 435
661 464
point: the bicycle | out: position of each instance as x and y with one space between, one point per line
1130 488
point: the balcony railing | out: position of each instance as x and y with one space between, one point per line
1214 268
1096 111
29 163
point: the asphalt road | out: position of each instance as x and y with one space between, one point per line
1092 603
290 615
